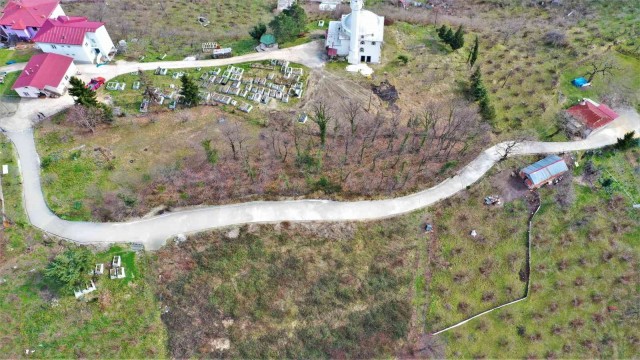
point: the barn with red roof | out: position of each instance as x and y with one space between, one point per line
588 116
45 75
23 19
83 40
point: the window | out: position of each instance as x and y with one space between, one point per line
86 44
53 47
361 49
66 77
373 43
361 42
26 93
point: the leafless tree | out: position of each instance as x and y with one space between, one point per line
603 67
236 138
85 117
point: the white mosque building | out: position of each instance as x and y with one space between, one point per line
358 35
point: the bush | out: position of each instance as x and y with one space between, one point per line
404 59
71 269
326 186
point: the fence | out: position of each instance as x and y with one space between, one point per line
528 273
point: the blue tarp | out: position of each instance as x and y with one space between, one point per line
545 169
579 82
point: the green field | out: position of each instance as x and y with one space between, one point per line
120 319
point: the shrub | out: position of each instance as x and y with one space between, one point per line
71 269
327 186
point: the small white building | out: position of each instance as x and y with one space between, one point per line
23 18
358 35
45 75
85 41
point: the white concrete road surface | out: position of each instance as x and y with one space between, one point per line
154 232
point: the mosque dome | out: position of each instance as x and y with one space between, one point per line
370 25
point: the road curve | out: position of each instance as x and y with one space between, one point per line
153 232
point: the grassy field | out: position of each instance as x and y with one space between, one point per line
19 235
293 290
180 34
584 280
18 55
121 320
9 80
464 281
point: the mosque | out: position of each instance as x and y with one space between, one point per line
358 35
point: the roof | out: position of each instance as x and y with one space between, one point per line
66 30
594 115
545 169
268 39
23 13
43 70
370 25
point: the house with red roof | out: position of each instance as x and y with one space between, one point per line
588 116
83 40
24 18
45 75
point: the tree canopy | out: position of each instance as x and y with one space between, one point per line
81 94
189 91
71 269
257 31
290 23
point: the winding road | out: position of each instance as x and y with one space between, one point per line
154 232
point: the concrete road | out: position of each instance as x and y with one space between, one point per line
153 232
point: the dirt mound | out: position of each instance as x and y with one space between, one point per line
386 92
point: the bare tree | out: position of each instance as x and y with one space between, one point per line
85 117
602 67
322 118
236 138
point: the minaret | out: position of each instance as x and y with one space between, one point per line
354 44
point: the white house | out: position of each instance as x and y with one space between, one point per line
23 18
85 41
45 74
358 35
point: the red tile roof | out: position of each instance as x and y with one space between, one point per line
66 30
42 70
593 115
18 14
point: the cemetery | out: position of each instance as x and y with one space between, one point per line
242 86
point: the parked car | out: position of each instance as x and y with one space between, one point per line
95 83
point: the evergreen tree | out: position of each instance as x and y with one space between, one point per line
71 269
442 30
189 90
82 95
627 142
448 36
487 110
289 23
457 41
258 31
478 91
473 56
